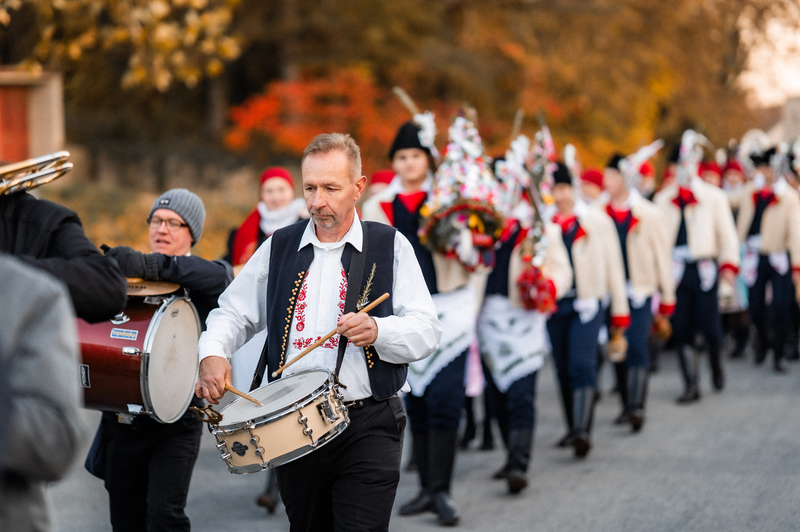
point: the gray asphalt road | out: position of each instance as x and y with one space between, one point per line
729 463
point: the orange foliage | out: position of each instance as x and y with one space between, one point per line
291 113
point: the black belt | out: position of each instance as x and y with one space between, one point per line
360 403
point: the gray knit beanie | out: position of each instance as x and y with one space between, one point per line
185 204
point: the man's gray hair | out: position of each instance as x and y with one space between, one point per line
341 142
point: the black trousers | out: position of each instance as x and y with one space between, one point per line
148 470
350 482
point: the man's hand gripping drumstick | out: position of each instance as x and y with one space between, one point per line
357 327
215 371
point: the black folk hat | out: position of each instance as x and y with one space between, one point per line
407 137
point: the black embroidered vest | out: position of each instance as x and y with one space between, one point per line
287 270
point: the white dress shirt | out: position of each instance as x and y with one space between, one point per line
411 334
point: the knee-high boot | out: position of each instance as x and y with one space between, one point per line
583 410
714 358
762 341
688 362
566 402
621 371
423 502
520 448
779 350
637 391
441 460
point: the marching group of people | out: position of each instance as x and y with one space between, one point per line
507 260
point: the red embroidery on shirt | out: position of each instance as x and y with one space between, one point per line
300 310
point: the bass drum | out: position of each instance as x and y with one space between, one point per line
144 361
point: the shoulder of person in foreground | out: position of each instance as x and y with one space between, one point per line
39 352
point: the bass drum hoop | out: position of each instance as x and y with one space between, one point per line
147 349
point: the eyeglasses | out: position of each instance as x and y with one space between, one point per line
172 224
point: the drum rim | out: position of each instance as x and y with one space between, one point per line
269 417
147 348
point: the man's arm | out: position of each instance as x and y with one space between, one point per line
95 283
413 332
241 313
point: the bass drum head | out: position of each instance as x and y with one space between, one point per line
171 373
276 396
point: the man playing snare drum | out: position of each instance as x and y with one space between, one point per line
149 464
296 286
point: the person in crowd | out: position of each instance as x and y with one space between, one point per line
50 237
597 270
768 225
592 186
42 430
648 269
349 483
148 464
705 249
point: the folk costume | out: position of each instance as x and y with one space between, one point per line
768 225
513 342
648 269
438 382
699 225
597 269
349 483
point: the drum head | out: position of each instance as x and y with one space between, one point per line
276 396
172 367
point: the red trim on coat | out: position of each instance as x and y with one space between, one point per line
730 267
666 310
684 198
620 322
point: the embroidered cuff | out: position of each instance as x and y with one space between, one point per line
620 322
666 310
729 266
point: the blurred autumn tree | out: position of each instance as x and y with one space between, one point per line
607 74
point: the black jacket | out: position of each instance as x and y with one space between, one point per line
50 237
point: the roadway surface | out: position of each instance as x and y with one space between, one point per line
728 463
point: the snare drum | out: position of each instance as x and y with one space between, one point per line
301 412
144 361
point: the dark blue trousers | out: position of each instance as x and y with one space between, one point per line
638 334
695 309
516 408
782 297
441 404
574 346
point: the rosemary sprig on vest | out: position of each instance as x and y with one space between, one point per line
362 301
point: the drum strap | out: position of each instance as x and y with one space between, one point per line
355 276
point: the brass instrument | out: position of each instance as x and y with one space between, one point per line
35 172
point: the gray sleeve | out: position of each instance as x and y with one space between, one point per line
39 350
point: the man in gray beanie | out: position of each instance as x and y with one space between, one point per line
149 464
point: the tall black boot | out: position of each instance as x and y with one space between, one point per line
762 342
621 371
779 350
566 402
441 460
741 334
520 447
714 358
470 428
487 444
271 496
637 391
423 502
688 361
583 410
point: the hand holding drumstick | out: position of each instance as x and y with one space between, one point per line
358 327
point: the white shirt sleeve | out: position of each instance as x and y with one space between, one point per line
242 308
413 332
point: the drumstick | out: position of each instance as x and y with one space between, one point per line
324 338
250 398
